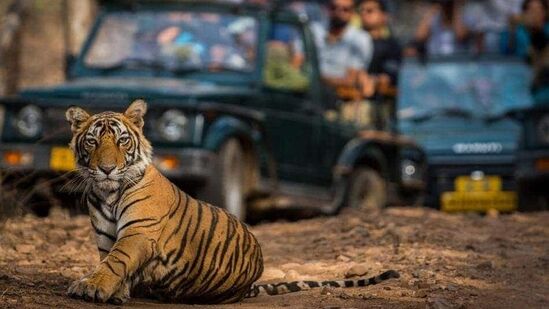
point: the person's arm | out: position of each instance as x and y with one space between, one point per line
347 87
423 30
365 53
459 27
350 79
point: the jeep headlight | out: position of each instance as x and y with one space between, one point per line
28 121
173 125
543 129
410 171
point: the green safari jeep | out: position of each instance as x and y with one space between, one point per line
238 114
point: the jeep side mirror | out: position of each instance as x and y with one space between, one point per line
70 60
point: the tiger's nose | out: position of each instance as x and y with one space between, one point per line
107 168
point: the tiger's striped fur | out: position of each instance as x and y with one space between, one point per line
155 240
298 286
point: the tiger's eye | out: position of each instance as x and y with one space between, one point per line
90 142
123 140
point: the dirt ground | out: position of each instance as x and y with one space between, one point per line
445 261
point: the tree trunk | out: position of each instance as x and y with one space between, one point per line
10 46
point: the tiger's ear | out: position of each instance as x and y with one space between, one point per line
76 116
136 111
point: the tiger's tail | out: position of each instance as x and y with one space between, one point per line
297 286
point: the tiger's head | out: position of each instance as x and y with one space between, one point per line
109 147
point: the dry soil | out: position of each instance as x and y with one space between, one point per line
445 261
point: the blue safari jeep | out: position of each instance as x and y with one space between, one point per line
458 110
238 114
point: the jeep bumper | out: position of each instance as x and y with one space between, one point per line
443 172
533 166
184 165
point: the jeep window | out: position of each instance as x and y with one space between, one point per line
463 87
286 66
174 41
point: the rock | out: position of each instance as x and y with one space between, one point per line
26 249
312 268
416 273
343 258
357 270
327 291
292 275
272 273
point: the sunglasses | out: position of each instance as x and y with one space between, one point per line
340 8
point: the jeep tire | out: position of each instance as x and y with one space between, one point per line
225 188
366 190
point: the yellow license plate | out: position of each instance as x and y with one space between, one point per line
479 201
62 159
478 194
483 184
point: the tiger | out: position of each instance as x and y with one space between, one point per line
154 240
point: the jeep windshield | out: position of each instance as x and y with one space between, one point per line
463 88
175 42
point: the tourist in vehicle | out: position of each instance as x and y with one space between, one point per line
442 30
527 38
209 42
344 50
383 69
488 19
529 31
344 53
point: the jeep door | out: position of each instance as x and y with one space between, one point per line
292 119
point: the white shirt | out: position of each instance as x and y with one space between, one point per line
352 51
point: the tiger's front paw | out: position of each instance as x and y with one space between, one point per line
121 296
92 288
